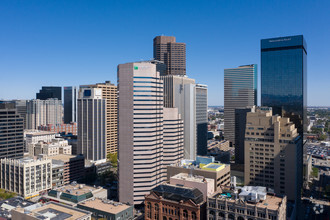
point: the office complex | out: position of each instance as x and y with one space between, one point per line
174 202
92 124
109 93
11 130
180 92
70 104
49 92
43 112
240 126
284 77
173 54
32 137
272 152
248 203
201 119
26 177
240 90
54 147
141 127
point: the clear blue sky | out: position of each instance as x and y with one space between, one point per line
66 42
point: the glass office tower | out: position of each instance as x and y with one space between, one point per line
283 77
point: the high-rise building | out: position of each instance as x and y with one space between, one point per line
180 92
272 152
49 92
11 130
173 137
201 119
43 112
21 109
144 126
240 85
284 78
240 127
173 54
109 93
91 124
70 104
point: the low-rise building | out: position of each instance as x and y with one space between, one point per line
247 203
34 136
74 193
51 148
10 204
106 209
205 185
219 172
26 177
51 211
73 166
60 128
174 202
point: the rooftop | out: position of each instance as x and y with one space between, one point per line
178 193
77 189
185 176
54 211
254 195
39 133
213 166
105 205
9 204
63 157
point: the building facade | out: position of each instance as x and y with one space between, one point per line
174 202
70 104
240 126
180 92
21 109
140 127
49 92
92 124
173 54
109 93
272 153
253 204
43 112
173 137
284 78
60 128
26 177
240 90
11 132
201 119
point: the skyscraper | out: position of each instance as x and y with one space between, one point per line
70 104
284 77
11 130
109 93
50 92
43 112
240 85
180 92
145 141
91 124
173 54
201 119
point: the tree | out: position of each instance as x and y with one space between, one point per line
112 157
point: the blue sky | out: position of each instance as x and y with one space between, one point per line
63 43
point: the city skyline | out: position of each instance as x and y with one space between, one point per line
71 44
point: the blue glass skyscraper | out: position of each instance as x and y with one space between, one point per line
283 77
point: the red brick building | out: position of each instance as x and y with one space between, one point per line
66 128
170 202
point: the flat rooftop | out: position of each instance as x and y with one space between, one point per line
77 190
105 205
63 157
39 133
213 166
186 176
55 211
